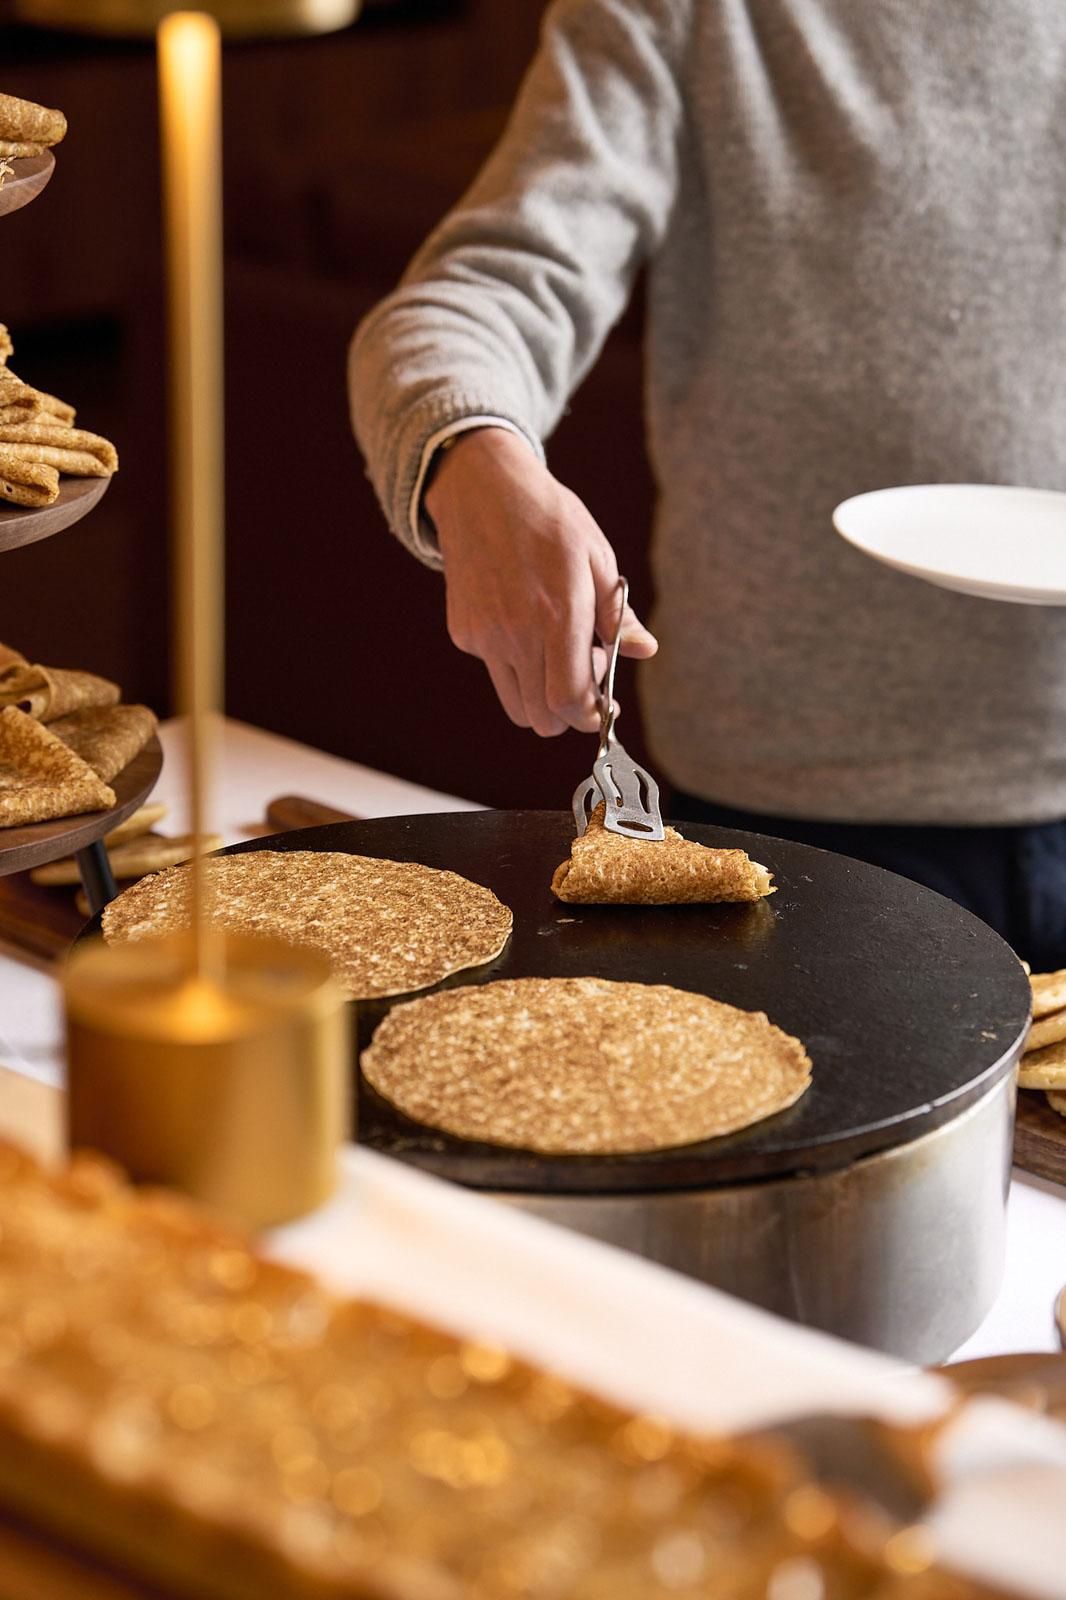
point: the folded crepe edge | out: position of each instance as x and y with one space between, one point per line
761 882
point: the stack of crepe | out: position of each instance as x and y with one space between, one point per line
63 738
27 129
1043 1065
38 439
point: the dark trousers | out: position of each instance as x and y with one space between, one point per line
1013 878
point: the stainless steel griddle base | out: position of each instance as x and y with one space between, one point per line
902 1251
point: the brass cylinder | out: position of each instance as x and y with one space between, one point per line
233 1088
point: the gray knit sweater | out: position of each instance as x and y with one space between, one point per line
855 217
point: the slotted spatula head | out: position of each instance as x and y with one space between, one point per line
630 795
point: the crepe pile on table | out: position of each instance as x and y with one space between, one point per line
38 440
134 849
63 738
1043 1065
607 868
217 1425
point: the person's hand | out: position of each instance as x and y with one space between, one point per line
530 580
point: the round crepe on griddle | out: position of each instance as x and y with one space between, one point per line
386 927
583 1065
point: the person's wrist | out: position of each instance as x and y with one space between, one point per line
474 450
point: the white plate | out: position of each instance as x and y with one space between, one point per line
982 539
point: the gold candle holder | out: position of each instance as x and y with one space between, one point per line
231 1086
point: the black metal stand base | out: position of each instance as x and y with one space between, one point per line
96 876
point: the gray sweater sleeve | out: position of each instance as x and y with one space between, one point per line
506 306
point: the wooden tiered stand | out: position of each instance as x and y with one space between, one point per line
82 836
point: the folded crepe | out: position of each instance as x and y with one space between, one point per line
19 149
150 852
106 737
6 347
28 404
10 657
606 868
50 692
27 483
18 412
40 778
70 450
25 121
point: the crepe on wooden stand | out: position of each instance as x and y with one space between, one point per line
386 927
605 868
51 692
38 439
63 739
27 129
107 737
583 1065
40 778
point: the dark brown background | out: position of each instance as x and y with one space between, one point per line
341 153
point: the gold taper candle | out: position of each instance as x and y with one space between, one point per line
191 130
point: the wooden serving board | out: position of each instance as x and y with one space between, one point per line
1039 1137
21 525
28 177
43 922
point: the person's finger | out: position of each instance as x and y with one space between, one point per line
530 671
570 681
599 663
607 589
505 683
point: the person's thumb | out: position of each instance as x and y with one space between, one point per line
636 640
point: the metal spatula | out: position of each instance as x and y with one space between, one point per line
630 795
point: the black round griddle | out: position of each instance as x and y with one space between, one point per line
910 1008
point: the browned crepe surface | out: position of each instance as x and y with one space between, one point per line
107 737
51 692
606 868
40 778
27 483
1049 992
19 149
14 389
387 927
583 1065
23 121
72 450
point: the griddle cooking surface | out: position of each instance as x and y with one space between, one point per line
909 1007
